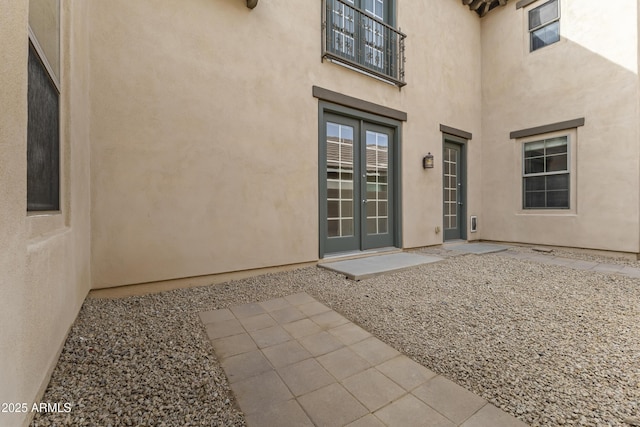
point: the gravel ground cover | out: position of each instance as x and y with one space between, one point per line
550 345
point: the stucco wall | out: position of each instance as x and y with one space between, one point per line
44 259
590 73
205 131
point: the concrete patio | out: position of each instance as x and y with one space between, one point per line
292 361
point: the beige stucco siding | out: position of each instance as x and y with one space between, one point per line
205 131
590 73
45 258
443 88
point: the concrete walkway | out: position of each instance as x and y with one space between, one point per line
292 361
366 267
575 264
545 256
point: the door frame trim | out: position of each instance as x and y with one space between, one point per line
328 107
462 143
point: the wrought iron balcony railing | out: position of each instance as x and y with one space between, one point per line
360 40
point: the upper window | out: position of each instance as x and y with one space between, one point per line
546 176
43 93
360 34
544 25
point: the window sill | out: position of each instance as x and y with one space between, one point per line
548 212
43 223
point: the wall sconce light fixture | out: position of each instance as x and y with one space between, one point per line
252 3
427 161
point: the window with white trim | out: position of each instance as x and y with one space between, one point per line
546 174
544 25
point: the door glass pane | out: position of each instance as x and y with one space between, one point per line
339 180
377 165
450 188
343 30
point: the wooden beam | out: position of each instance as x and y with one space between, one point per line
475 4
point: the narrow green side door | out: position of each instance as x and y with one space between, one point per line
454 194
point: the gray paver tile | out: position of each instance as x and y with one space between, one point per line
245 365
631 271
302 328
213 316
448 398
411 412
608 268
299 298
374 351
287 315
313 308
288 413
367 421
511 254
329 320
260 393
536 257
247 310
373 374
332 406
255 323
490 416
320 343
223 329
406 372
564 262
235 344
270 336
343 363
305 376
286 353
373 389
349 333
275 304
583 265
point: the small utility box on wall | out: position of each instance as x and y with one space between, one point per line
474 224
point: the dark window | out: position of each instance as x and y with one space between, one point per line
546 174
361 34
544 25
43 144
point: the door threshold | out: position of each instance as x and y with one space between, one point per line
341 256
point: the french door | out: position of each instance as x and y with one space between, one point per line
454 192
357 196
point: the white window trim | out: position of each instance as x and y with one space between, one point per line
40 51
528 33
571 135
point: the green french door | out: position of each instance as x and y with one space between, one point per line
454 189
357 194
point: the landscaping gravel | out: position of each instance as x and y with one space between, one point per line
550 345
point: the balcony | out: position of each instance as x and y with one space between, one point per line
363 41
